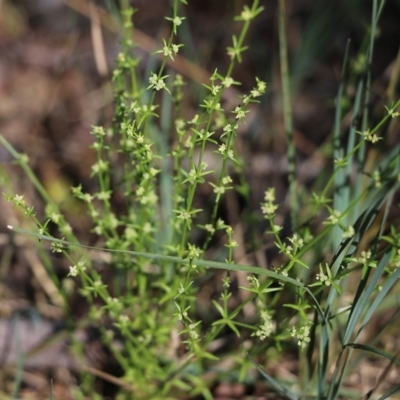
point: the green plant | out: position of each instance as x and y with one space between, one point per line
154 157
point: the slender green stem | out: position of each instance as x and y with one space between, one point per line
287 116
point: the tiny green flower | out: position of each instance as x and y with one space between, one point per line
194 252
18 200
140 191
178 20
209 228
112 221
147 228
376 176
226 282
235 51
55 217
215 89
340 162
178 80
167 52
228 128
221 224
131 233
369 137
184 215
109 335
228 81
258 90
57 247
66 228
158 83
254 93
226 180
246 14
81 266
73 270
365 259
253 280
88 198
175 48
392 112
219 190
334 218
232 244
261 85
222 148
192 333
349 232
270 195
302 334
323 278
94 213
192 175
103 195
180 124
124 320
365 256
99 167
268 209
266 327
181 289
297 241
240 113
189 143
276 228
135 107
194 120
98 131
23 158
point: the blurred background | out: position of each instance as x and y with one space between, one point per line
52 89
57 57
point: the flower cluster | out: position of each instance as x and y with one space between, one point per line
157 82
195 175
376 176
392 113
140 110
19 201
266 327
321 277
334 218
259 89
194 251
296 241
302 334
369 136
228 153
223 186
269 207
79 267
169 50
176 21
365 259
349 232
